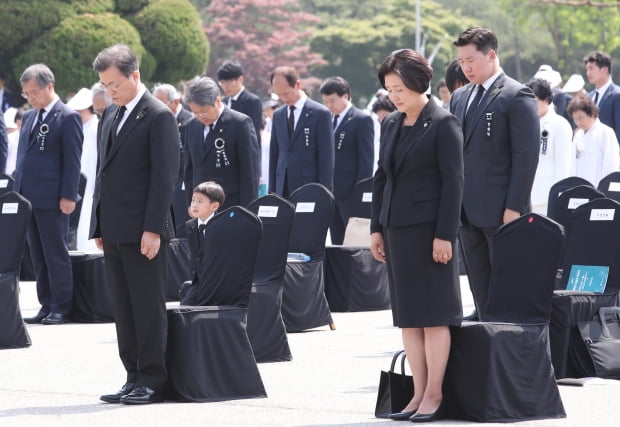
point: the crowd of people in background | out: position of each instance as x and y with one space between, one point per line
512 140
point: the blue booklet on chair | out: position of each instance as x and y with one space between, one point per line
587 278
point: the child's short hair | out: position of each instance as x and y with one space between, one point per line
212 190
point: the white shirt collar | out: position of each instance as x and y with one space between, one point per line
301 101
601 90
237 95
201 222
132 104
487 84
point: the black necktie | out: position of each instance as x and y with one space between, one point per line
120 112
201 229
208 133
39 121
473 106
232 103
201 235
291 120
336 121
596 97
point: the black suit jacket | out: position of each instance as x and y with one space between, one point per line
239 178
307 155
182 118
354 151
136 177
426 184
250 105
500 150
8 100
45 176
609 107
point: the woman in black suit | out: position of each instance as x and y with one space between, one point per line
416 203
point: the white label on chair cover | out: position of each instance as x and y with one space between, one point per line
305 207
614 186
366 197
268 211
575 203
9 208
4 183
602 214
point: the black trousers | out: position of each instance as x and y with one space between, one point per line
47 240
138 287
338 222
478 253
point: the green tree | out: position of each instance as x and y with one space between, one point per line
354 48
67 35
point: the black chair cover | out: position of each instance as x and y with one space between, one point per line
570 199
15 213
593 242
561 186
231 244
354 280
209 357
304 305
502 371
313 209
361 199
178 267
589 242
266 329
92 302
526 257
568 353
6 183
610 186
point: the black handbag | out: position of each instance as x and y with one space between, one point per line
602 340
395 389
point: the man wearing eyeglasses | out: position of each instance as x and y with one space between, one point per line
138 165
47 173
501 143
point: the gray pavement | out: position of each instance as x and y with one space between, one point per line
332 381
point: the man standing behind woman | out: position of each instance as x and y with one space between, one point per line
416 203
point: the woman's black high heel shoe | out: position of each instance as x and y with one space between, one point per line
401 416
427 418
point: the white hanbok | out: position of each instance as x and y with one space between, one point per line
557 152
89 169
598 153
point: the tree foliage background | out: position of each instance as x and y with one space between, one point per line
320 38
66 35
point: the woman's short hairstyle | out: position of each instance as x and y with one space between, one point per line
410 66
541 89
583 103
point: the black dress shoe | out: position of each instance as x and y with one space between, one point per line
401 416
55 319
116 397
141 395
42 314
426 418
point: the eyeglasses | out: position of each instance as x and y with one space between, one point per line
32 93
113 87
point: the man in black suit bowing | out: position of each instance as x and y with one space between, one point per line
221 145
354 135
138 164
47 173
230 76
301 150
501 144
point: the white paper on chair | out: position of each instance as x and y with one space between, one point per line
10 208
614 186
307 207
366 197
4 183
602 214
268 211
574 203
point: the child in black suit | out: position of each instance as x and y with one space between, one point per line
207 198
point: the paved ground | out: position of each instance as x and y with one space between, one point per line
332 381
